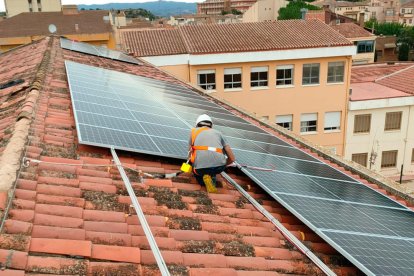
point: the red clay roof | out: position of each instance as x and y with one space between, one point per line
238 37
352 30
141 42
76 219
408 5
36 23
381 81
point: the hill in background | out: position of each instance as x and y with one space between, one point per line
159 8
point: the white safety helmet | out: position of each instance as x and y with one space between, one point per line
203 118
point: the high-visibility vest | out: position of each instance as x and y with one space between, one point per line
194 133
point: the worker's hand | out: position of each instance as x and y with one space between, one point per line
232 164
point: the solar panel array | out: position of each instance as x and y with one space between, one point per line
151 116
96 51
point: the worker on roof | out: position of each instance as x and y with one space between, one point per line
209 153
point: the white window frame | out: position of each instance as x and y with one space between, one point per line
332 121
337 76
308 122
311 76
206 85
285 121
260 81
284 79
233 72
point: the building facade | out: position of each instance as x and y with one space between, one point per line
300 86
362 39
93 27
14 7
264 10
380 132
407 14
216 7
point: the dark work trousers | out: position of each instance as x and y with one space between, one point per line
199 173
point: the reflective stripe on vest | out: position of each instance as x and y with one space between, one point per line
194 133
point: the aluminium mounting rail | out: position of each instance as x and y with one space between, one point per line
286 233
151 240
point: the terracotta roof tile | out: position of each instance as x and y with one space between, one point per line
382 81
352 30
36 23
58 215
408 5
141 42
239 37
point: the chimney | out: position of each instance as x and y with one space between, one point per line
77 27
303 11
70 9
325 7
361 19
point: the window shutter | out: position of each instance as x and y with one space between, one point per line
232 71
332 119
284 119
211 71
259 69
308 117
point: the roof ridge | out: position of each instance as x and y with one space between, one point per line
393 73
184 40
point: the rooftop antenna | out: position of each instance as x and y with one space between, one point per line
52 28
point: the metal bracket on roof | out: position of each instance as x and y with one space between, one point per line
151 240
286 233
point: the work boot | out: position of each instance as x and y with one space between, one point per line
208 181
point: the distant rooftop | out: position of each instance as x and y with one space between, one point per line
352 30
381 81
32 24
238 37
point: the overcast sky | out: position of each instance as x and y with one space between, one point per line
89 2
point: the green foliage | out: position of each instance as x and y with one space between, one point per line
134 13
403 52
2 14
392 28
223 12
407 37
236 12
292 10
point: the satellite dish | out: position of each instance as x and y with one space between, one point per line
52 28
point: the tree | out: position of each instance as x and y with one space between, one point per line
223 12
292 10
403 52
391 28
134 13
236 12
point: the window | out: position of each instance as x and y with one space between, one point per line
258 76
389 12
364 46
232 78
333 120
389 159
310 73
265 118
336 72
285 121
402 10
362 123
393 121
284 75
412 157
360 158
207 79
308 122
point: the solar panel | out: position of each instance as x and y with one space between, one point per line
376 255
96 51
154 117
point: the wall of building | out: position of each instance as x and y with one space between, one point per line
15 7
106 40
264 10
296 99
364 58
379 140
182 71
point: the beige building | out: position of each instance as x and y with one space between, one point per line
14 7
357 11
194 19
216 7
93 27
407 14
264 10
295 73
364 40
380 132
